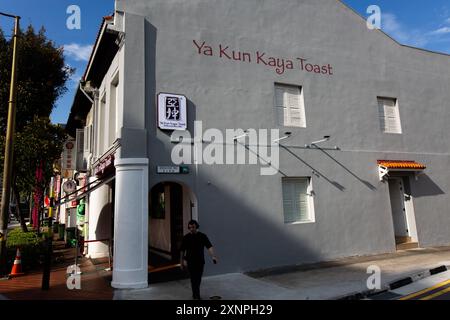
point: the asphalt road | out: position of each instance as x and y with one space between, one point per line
440 291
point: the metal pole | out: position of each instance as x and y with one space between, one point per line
9 150
48 259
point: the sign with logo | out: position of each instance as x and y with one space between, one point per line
69 156
69 186
172 169
172 113
106 165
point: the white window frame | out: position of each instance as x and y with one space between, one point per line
284 111
310 201
392 125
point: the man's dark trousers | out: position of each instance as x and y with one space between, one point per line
195 272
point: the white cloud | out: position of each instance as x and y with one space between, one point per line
78 52
74 79
441 31
391 26
403 34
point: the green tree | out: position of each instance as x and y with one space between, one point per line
42 74
39 141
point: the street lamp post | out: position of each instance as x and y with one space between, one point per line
9 149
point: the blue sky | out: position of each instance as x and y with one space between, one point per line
419 23
77 43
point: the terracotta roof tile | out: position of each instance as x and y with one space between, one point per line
401 164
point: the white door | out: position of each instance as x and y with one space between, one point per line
397 195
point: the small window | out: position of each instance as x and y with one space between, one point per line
289 106
297 200
389 115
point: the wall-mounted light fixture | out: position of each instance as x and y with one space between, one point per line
315 143
241 136
286 136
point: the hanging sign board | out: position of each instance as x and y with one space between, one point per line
69 156
105 166
69 186
172 113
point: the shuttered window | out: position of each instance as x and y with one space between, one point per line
87 139
389 115
80 140
297 200
80 137
289 105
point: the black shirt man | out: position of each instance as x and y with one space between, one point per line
192 255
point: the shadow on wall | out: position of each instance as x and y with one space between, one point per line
425 187
364 182
316 172
248 237
104 227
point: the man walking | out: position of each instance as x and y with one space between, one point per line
192 255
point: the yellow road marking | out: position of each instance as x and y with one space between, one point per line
413 295
437 294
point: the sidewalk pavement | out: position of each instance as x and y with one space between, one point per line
329 280
94 280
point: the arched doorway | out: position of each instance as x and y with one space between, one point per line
171 206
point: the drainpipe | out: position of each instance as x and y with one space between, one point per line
93 156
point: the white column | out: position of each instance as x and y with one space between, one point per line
130 269
99 221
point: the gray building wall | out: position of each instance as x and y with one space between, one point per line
241 210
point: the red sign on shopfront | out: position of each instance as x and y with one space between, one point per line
105 166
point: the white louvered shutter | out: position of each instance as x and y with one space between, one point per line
300 189
295 200
389 115
295 107
288 202
289 106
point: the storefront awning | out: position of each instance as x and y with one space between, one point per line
386 166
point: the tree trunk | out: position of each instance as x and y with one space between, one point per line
19 212
30 209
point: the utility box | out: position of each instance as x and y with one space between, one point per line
71 218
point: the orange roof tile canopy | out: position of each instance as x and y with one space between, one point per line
401 164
